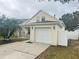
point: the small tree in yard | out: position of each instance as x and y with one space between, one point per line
8 27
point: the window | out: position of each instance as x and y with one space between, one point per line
54 27
38 19
28 30
43 18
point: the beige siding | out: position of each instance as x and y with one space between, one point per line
53 31
22 33
47 18
40 15
32 34
54 36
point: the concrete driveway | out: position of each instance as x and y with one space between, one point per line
22 50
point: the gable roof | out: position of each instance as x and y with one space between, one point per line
43 12
35 15
61 22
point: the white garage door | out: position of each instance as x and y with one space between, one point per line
43 35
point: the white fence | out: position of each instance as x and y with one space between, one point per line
73 34
63 37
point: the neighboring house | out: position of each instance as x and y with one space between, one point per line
22 32
45 28
77 28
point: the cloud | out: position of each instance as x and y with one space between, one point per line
27 8
59 9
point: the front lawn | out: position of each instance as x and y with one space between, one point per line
70 52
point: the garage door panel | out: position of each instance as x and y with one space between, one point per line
43 35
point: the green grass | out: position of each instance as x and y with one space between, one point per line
11 40
70 52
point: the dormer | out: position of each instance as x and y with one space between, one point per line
42 16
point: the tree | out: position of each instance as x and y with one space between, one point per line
71 20
8 27
76 17
65 1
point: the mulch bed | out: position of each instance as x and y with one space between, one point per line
10 41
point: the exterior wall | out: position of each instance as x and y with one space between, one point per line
58 34
53 31
40 15
16 33
61 37
32 29
54 37
22 33
59 28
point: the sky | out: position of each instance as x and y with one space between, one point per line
24 9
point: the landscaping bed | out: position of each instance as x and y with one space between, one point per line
10 41
70 52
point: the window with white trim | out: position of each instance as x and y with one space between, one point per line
43 18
